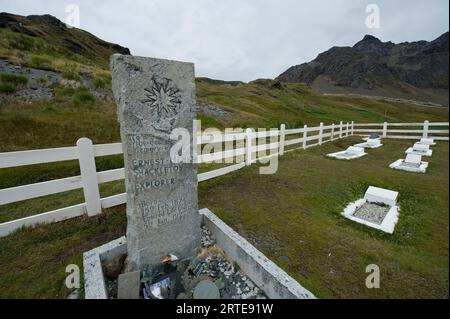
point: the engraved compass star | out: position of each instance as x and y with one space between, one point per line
162 98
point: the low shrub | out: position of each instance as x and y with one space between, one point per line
83 96
13 79
41 61
7 88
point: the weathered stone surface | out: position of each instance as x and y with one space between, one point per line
128 285
206 289
154 97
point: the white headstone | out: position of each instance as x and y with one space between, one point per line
373 142
355 150
421 147
381 195
428 141
413 159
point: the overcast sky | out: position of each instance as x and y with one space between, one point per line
244 39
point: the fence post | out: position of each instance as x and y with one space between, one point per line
282 139
89 176
248 146
332 131
305 135
353 128
340 129
346 129
320 133
426 126
385 126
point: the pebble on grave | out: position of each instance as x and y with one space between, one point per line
420 149
370 143
412 163
350 153
378 209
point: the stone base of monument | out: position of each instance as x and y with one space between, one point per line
378 209
246 273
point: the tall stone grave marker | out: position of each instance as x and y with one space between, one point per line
154 97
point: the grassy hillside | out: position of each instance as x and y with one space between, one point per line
62 120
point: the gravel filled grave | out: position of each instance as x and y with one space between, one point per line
372 212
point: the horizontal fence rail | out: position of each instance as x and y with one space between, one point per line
249 146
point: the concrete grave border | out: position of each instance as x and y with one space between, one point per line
366 145
390 220
338 155
270 278
398 165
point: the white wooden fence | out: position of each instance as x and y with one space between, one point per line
89 180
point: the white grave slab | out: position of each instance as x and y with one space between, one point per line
412 163
370 143
420 149
350 153
381 195
378 196
427 141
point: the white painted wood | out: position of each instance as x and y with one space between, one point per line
111 175
44 218
22 158
264 134
114 200
248 146
219 156
264 147
369 130
219 172
20 193
340 129
347 129
89 176
385 129
405 131
406 124
353 128
332 132
368 124
206 139
305 135
107 149
426 126
282 139
320 133
293 141
295 131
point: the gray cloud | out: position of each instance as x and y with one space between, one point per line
243 39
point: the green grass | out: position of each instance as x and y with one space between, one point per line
292 216
10 82
7 88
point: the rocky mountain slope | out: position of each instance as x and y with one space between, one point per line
411 70
46 34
